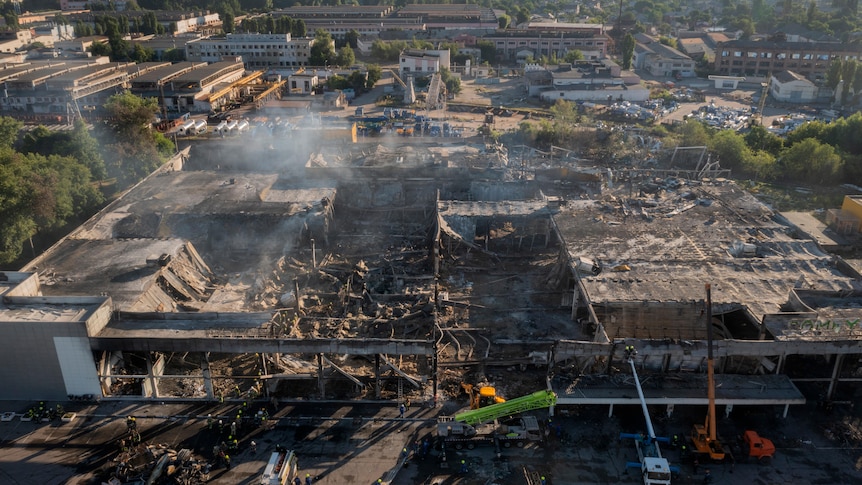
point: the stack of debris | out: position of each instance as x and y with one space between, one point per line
159 464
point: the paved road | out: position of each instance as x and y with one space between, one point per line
357 443
340 444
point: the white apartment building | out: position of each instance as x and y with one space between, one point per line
257 50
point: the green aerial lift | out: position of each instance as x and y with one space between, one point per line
474 427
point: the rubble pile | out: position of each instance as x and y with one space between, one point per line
158 464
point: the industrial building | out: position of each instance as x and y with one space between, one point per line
256 50
188 86
760 58
341 270
57 89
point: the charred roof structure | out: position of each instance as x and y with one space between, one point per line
396 267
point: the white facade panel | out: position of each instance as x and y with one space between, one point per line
77 365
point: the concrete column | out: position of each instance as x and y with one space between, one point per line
576 296
205 370
780 367
321 385
839 359
434 373
104 370
377 376
610 410
153 382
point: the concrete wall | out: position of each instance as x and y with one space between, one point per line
853 205
46 361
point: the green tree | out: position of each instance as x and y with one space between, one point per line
337 81
100 49
453 83
759 138
573 55
130 114
299 29
504 21
762 165
357 80
77 144
668 41
9 129
227 23
352 38
833 74
174 55
39 193
487 49
811 161
627 48
522 15
694 134
848 73
731 150
132 149
140 53
374 74
345 57
16 221
322 50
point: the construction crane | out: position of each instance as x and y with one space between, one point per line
471 428
704 437
536 400
654 468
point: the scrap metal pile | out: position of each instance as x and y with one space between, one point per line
158 464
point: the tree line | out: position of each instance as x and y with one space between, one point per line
817 152
52 181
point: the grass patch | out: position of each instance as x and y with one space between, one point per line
797 197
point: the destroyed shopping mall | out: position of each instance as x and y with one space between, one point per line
370 271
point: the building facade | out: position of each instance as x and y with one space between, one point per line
790 87
256 50
662 60
421 62
760 58
510 43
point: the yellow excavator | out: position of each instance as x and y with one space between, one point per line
481 397
704 436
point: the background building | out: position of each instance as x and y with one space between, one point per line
256 50
789 87
760 58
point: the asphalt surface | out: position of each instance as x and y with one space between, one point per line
358 443
336 443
